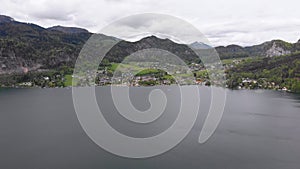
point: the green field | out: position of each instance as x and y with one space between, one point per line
149 72
68 80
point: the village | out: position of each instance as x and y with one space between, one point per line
150 74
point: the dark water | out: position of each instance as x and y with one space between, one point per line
259 130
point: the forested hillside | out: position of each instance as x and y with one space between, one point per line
280 72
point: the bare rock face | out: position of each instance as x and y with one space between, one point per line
276 51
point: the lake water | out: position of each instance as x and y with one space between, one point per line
39 129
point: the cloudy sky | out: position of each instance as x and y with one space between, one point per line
223 22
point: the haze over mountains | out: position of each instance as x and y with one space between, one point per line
30 46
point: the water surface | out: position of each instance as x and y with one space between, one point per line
39 130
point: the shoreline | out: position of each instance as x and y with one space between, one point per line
70 87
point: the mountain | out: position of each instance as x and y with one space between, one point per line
26 46
267 49
272 48
68 29
5 19
199 45
125 48
231 51
34 48
297 45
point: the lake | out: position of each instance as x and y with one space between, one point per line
40 130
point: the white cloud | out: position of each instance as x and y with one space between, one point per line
222 22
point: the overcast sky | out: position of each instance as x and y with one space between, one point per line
223 22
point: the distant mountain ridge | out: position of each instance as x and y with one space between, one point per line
200 45
68 29
267 49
